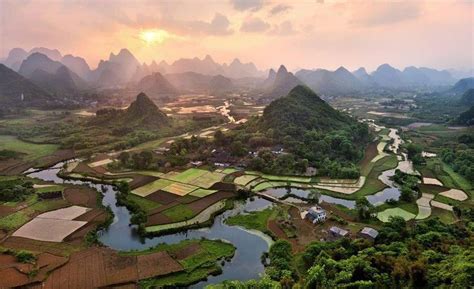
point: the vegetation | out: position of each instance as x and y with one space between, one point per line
254 220
14 190
429 254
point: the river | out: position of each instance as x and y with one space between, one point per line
245 265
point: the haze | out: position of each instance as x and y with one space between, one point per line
305 34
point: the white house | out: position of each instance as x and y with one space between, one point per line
316 214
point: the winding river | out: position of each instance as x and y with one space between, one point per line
392 192
120 235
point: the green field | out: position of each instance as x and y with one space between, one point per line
15 220
145 204
208 179
188 175
296 179
372 184
196 267
200 193
245 179
179 213
32 151
395 212
152 187
253 220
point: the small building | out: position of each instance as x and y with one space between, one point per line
278 149
338 232
368 233
311 171
316 214
196 163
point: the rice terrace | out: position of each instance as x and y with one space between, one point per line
236 144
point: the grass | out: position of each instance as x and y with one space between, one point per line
32 151
228 171
152 187
179 213
196 267
445 216
143 203
49 205
253 220
372 183
52 188
282 178
200 193
385 215
14 220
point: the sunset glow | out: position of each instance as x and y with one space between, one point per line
154 36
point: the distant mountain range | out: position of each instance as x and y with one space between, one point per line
123 70
341 81
51 75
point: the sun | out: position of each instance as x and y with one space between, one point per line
154 36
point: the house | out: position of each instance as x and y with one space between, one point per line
161 150
338 232
316 214
311 171
196 163
278 149
368 233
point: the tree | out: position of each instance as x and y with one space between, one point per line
124 157
364 208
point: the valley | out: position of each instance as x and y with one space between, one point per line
236 144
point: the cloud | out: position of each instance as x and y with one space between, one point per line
219 25
384 13
284 29
254 24
242 5
280 8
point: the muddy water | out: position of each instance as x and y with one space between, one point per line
246 263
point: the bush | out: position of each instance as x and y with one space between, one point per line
25 257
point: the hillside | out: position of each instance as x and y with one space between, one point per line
467 117
311 129
463 85
142 113
13 85
467 98
155 85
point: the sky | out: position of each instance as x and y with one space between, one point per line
300 34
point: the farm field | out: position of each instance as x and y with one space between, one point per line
30 150
384 216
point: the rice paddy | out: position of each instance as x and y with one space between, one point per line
385 215
179 189
151 187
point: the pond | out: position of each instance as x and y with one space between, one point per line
246 263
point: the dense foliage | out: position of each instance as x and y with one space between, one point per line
311 132
429 254
409 186
461 159
467 117
15 190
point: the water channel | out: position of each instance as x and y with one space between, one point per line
246 264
